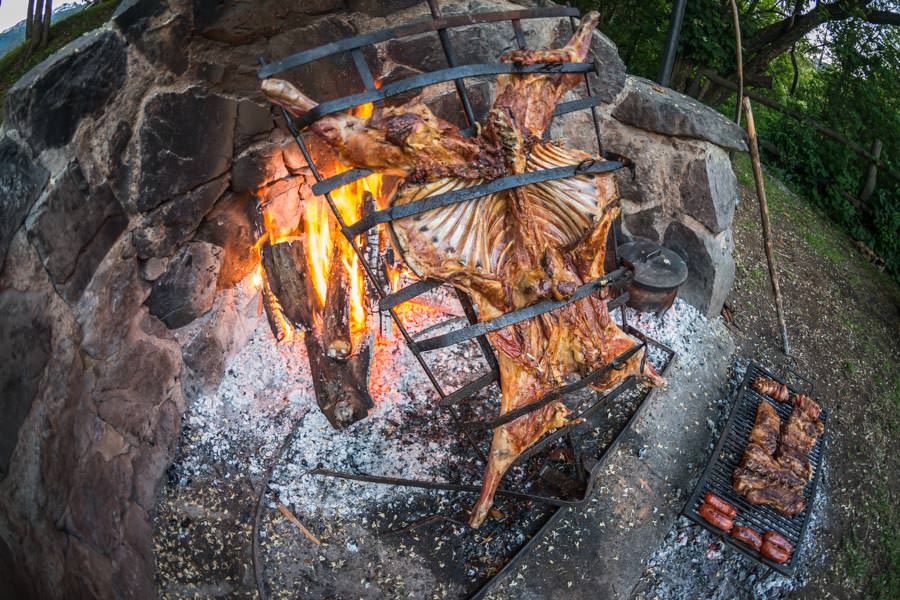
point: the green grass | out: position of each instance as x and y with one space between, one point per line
20 60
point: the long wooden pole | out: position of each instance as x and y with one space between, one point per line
739 58
764 217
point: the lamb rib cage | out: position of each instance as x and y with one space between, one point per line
387 301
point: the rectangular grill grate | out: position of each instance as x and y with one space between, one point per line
716 477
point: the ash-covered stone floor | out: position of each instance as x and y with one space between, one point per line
628 542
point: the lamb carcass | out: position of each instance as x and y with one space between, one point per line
507 250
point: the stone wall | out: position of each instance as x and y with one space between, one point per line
128 165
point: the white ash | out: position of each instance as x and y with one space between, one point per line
267 389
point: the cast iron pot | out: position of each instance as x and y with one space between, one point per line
658 273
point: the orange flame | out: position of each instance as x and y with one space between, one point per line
320 236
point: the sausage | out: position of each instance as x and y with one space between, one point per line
720 505
776 539
748 536
715 518
774 553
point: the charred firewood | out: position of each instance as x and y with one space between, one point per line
336 318
282 329
342 389
289 280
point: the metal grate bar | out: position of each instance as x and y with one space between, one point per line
497 185
615 364
471 388
408 293
426 79
717 476
517 316
362 67
451 62
483 342
520 35
375 37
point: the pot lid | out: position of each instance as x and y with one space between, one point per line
654 266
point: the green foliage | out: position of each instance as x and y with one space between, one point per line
848 79
20 60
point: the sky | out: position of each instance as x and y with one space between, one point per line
13 11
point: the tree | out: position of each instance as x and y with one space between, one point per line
37 23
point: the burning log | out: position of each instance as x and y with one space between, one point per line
286 275
336 319
342 389
340 380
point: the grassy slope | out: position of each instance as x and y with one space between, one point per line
842 317
20 61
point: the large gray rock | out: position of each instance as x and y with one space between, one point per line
173 223
73 227
652 107
230 226
660 163
709 191
257 166
643 222
188 288
24 352
21 182
186 140
710 265
330 77
253 122
50 101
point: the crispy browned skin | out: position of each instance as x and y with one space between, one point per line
719 504
747 536
775 553
508 250
715 518
775 468
771 388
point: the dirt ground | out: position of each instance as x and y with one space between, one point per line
842 318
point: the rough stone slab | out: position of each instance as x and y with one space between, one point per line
229 225
256 167
73 227
598 552
49 102
643 223
186 140
709 191
330 77
21 182
188 288
710 264
662 110
253 121
660 163
132 16
24 351
173 223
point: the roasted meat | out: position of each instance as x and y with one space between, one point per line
506 250
775 467
771 388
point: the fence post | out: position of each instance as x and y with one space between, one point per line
871 176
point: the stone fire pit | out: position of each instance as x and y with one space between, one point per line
128 166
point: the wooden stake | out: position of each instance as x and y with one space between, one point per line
290 517
764 217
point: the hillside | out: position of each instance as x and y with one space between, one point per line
15 35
